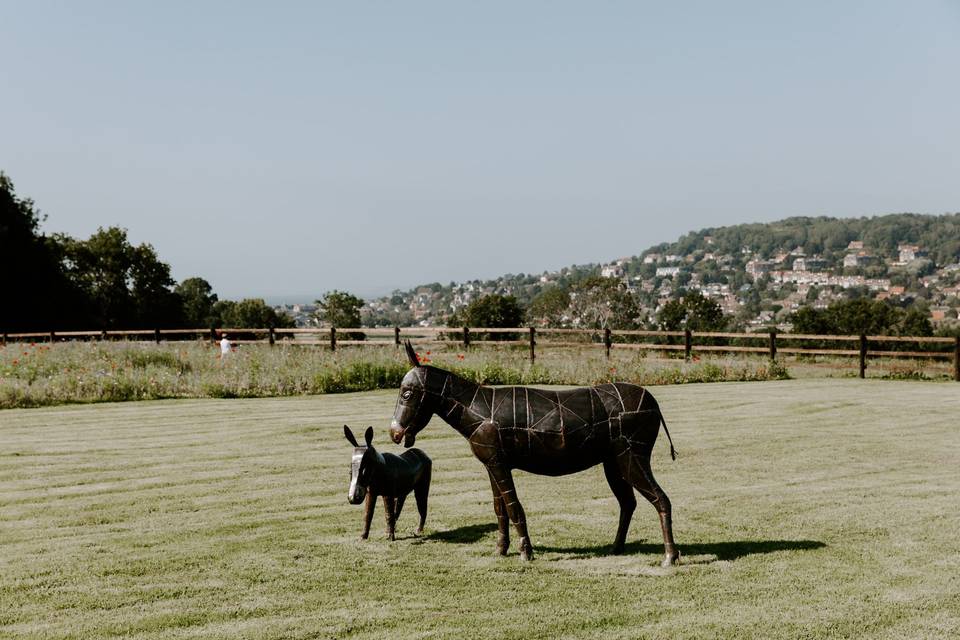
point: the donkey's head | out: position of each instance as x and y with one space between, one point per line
419 399
363 465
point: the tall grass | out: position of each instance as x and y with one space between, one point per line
33 375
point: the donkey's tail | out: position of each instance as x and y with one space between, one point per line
673 452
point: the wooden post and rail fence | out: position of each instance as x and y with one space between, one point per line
927 347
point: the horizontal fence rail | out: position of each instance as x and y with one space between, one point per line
690 342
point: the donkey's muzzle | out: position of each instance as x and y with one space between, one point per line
356 494
396 432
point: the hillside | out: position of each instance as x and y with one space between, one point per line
759 273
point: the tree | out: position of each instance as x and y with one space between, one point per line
549 307
603 303
249 313
703 314
916 322
809 320
672 315
198 298
37 295
124 285
694 312
340 309
490 311
155 302
862 316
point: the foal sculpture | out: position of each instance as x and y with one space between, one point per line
544 432
375 474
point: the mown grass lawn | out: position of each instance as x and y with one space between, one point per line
803 509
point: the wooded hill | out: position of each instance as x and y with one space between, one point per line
714 260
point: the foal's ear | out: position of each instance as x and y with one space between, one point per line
368 435
349 435
411 354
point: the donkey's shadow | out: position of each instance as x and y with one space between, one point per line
467 534
728 550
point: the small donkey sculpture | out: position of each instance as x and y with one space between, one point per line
375 474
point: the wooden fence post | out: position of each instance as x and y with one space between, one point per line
396 336
863 356
687 343
213 335
272 337
773 344
466 337
333 338
4 338
956 359
156 335
533 343
53 337
607 341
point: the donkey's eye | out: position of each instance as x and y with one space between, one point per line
407 394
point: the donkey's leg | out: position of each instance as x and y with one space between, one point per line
628 502
368 507
635 465
508 493
503 522
398 507
389 503
421 491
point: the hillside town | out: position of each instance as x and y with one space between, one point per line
754 289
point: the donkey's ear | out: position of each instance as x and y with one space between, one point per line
368 435
411 354
349 435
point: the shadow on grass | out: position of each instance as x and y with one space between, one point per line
463 535
722 550
730 550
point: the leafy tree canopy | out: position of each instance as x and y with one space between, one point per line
603 303
862 316
249 313
124 285
340 309
198 299
694 312
549 307
38 295
490 311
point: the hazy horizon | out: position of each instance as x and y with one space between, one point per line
303 147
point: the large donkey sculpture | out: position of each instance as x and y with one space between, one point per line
545 432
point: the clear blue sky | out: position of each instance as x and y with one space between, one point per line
284 149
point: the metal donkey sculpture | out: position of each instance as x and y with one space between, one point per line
544 432
374 474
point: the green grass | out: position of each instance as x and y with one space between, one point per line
803 509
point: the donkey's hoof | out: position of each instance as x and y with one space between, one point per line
617 549
671 559
526 549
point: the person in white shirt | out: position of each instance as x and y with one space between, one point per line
225 347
